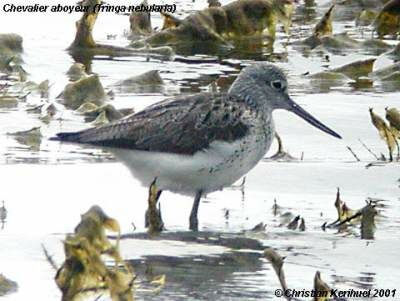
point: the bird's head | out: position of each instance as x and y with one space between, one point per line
265 87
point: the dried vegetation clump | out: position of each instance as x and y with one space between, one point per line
221 24
388 132
84 270
364 217
322 291
7 286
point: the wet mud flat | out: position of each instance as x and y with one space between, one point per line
226 260
235 272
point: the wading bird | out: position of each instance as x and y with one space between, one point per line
200 143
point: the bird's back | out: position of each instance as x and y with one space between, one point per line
182 125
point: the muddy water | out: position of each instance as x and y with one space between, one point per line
47 187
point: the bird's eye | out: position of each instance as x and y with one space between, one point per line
277 84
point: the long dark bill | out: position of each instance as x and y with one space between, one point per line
295 108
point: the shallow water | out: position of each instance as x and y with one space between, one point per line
46 190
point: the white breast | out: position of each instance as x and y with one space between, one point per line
218 166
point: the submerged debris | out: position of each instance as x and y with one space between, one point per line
323 29
76 72
84 46
384 132
356 69
103 114
277 263
87 107
323 81
388 20
149 81
368 214
84 27
8 101
302 226
214 3
393 116
354 74
339 43
48 111
343 211
280 154
84 271
286 218
353 153
87 89
323 290
10 42
386 71
260 227
395 53
7 286
3 211
153 219
324 26
3 215
10 52
366 17
345 214
148 78
388 76
375 46
364 216
294 223
169 20
275 208
42 88
140 22
31 138
101 119
220 24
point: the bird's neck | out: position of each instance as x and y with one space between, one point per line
252 95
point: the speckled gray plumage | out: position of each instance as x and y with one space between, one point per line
183 125
189 123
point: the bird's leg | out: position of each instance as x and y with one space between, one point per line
153 219
280 147
193 221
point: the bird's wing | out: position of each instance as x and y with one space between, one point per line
183 125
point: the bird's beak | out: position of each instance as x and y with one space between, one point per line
299 111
